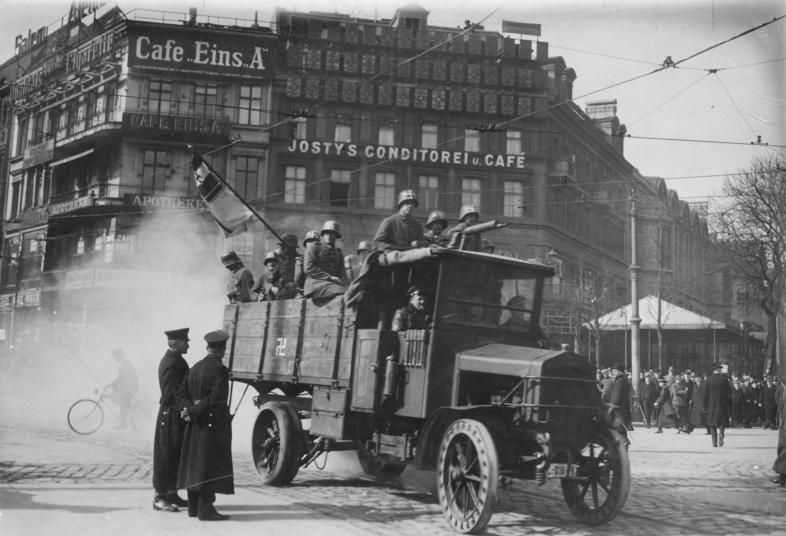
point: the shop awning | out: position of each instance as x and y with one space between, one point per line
672 317
71 158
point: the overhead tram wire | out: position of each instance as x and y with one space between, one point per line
725 89
661 105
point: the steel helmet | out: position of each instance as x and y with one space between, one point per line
436 216
289 240
407 195
467 210
230 259
311 236
332 226
365 245
270 256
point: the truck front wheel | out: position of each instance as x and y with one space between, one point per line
467 475
277 443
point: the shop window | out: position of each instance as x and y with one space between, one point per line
513 199
428 191
471 141
470 192
252 106
384 190
159 97
340 181
247 177
429 136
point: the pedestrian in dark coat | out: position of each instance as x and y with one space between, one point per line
698 417
665 411
170 427
780 462
619 395
717 401
768 403
206 463
647 396
737 404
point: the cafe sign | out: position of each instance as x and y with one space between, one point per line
200 49
394 153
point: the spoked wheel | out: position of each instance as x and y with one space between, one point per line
600 488
85 416
277 443
467 475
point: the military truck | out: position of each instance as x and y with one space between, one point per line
475 397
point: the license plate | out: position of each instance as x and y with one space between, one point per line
561 470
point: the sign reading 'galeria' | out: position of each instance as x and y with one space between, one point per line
407 154
199 49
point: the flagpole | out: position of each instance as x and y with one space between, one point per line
240 198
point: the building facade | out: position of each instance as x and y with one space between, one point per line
328 116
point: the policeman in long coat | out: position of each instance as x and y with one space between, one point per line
168 439
206 462
717 400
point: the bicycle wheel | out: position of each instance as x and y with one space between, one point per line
85 416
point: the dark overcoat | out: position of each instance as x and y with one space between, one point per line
779 466
206 462
717 399
619 395
168 438
698 417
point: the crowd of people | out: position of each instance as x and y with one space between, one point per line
322 271
713 401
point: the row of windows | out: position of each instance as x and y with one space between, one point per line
206 100
384 191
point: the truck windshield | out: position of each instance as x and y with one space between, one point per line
488 294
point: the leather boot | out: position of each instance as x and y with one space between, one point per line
177 500
714 432
206 512
193 503
160 503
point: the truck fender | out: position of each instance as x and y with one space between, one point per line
431 434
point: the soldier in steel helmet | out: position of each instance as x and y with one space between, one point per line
241 282
401 231
311 237
436 224
468 216
353 263
323 264
268 286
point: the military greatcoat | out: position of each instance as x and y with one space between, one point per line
206 462
168 439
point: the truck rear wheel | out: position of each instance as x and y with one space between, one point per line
599 490
467 475
277 443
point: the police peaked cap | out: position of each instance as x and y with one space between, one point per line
216 338
177 334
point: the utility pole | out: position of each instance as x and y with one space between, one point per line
635 321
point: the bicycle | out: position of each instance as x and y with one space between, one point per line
86 415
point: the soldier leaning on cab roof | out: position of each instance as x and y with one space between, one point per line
401 231
168 439
324 265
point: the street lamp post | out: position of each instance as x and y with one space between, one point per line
635 321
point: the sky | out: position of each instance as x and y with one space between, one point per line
692 125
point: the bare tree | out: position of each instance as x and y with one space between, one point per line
753 231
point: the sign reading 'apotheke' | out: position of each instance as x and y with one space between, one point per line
200 50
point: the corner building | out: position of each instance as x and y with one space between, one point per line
103 226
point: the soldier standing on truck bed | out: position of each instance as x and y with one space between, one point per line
468 216
353 263
268 285
300 271
286 267
400 231
323 264
240 282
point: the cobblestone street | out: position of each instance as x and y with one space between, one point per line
680 485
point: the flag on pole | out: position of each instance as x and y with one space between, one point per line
230 213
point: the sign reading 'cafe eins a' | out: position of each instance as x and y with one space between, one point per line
199 49
408 154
